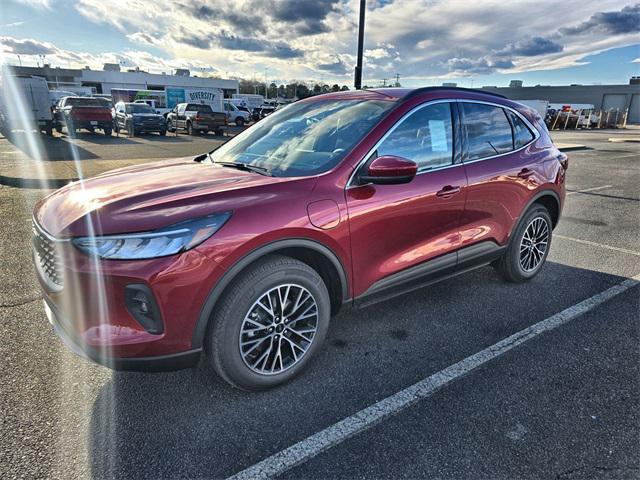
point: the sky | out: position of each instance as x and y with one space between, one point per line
426 42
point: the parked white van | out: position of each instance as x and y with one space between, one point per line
25 104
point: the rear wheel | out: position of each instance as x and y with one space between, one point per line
190 130
162 132
107 131
270 322
130 130
170 126
240 122
529 246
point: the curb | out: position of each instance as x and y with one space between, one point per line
624 140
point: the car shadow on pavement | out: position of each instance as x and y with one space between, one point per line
190 424
41 147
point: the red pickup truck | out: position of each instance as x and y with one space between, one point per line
89 113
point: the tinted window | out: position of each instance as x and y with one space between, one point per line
488 130
84 102
426 137
203 109
521 133
139 108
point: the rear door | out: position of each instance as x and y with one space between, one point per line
503 167
397 229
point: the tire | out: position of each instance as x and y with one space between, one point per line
190 130
170 126
521 262
130 130
49 131
239 122
107 131
231 323
162 133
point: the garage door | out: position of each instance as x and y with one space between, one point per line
614 101
634 109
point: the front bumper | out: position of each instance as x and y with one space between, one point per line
63 328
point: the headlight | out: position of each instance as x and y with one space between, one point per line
158 243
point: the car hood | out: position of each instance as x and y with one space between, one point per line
154 195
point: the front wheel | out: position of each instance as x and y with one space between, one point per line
240 122
267 327
529 246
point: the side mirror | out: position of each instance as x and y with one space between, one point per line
390 170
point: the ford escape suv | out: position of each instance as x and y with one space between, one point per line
343 199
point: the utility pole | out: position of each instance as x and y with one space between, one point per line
397 80
384 82
358 73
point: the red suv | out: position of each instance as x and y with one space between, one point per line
337 200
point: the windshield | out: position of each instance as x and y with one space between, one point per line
304 138
139 108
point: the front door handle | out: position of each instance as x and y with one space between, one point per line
525 173
448 191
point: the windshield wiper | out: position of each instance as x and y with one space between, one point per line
246 166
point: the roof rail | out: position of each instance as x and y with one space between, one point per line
456 89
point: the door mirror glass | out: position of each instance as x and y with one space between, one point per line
390 170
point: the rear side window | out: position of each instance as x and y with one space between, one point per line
488 130
521 133
426 137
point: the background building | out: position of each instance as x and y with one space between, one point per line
602 97
102 81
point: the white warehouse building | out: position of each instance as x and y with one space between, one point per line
102 81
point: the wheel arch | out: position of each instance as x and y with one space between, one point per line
318 256
549 199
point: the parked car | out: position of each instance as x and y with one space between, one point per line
194 118
255 114
136 118
235 115
75 113
338 200
266 111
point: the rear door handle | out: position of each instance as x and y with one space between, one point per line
448 191
525 173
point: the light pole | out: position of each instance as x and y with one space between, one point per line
358 73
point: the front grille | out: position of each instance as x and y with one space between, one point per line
47 258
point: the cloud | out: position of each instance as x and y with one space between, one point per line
26 46
306 17
531 47
623 21
420 39
338 67
143 38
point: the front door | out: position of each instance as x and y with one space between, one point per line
395 229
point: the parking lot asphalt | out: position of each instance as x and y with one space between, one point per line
563 405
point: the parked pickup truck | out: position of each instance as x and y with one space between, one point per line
194 118
74 113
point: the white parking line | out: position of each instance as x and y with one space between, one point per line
589 189
600 245
370 416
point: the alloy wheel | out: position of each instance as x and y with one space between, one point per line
534 244
278 329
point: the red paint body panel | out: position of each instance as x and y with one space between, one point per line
373 230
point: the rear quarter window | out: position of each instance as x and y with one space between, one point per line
521 133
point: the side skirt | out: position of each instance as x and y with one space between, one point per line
430 272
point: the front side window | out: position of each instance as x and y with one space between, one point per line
305 138
426 137
488 130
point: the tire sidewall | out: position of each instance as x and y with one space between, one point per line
514 249
228 332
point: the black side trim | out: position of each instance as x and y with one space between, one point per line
431 271
162 363
207 309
